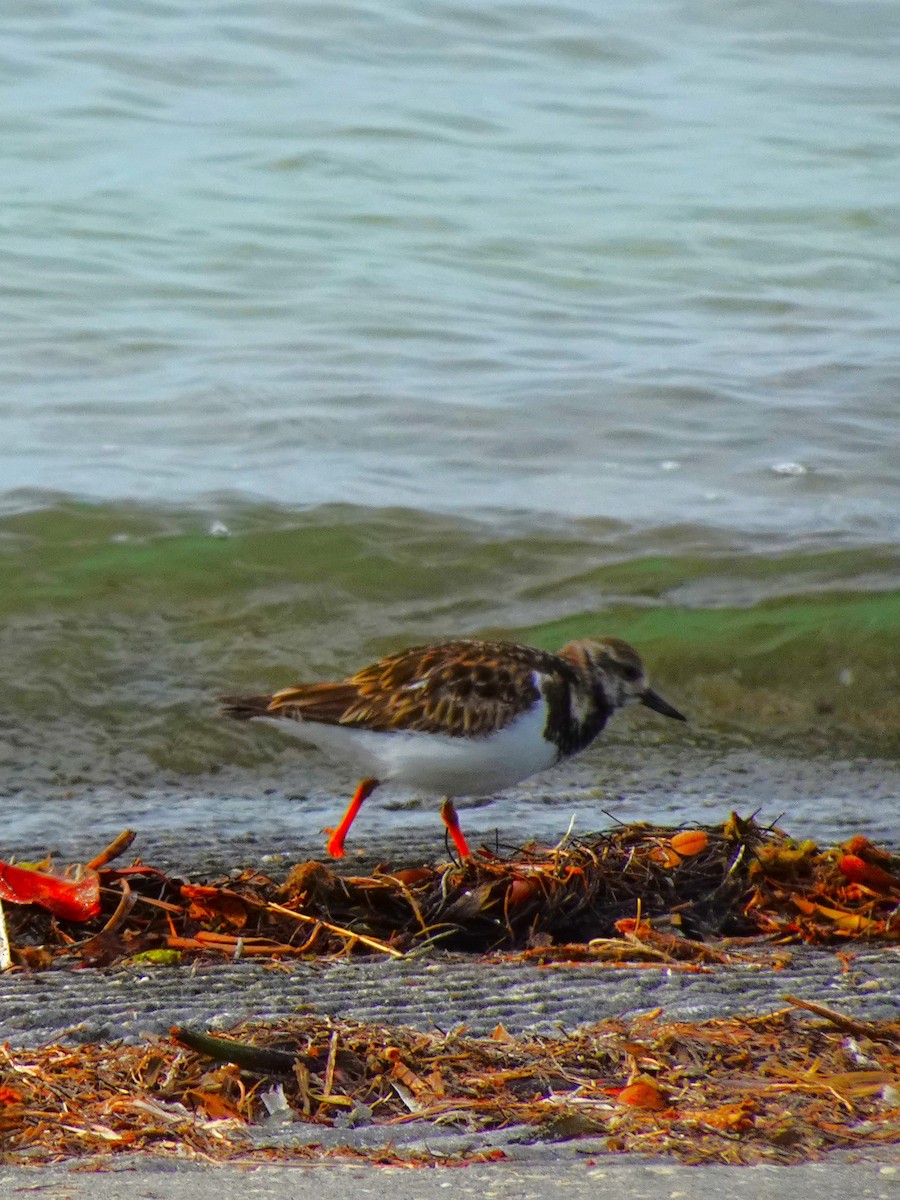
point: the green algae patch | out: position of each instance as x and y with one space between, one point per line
119 624
814 663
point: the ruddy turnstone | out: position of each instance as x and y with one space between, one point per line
460 718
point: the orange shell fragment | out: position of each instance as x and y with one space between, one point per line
643 1093
689 842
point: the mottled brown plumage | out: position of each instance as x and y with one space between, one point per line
464 689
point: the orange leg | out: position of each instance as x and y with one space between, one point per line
451 820
364 789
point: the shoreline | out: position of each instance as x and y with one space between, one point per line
248 822
242 816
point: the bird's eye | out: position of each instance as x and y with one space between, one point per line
631 674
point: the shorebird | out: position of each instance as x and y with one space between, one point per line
460 718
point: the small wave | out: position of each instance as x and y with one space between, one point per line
121 623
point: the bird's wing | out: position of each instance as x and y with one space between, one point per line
465 688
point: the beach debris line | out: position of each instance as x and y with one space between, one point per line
781 1088
683 899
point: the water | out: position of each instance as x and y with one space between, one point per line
330 328
450 258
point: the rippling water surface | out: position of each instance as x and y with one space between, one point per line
329 327
633 260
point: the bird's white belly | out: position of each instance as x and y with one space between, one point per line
434 762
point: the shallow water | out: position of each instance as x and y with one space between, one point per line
119 625
334 328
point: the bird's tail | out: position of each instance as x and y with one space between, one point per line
242 708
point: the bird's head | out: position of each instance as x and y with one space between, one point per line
614 669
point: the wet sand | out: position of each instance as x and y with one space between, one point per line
538 1173
230 822
273 818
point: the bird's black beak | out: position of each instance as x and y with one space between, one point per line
655 701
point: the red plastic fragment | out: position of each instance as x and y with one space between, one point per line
73 899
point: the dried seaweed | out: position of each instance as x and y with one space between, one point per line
780 1088
637 894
